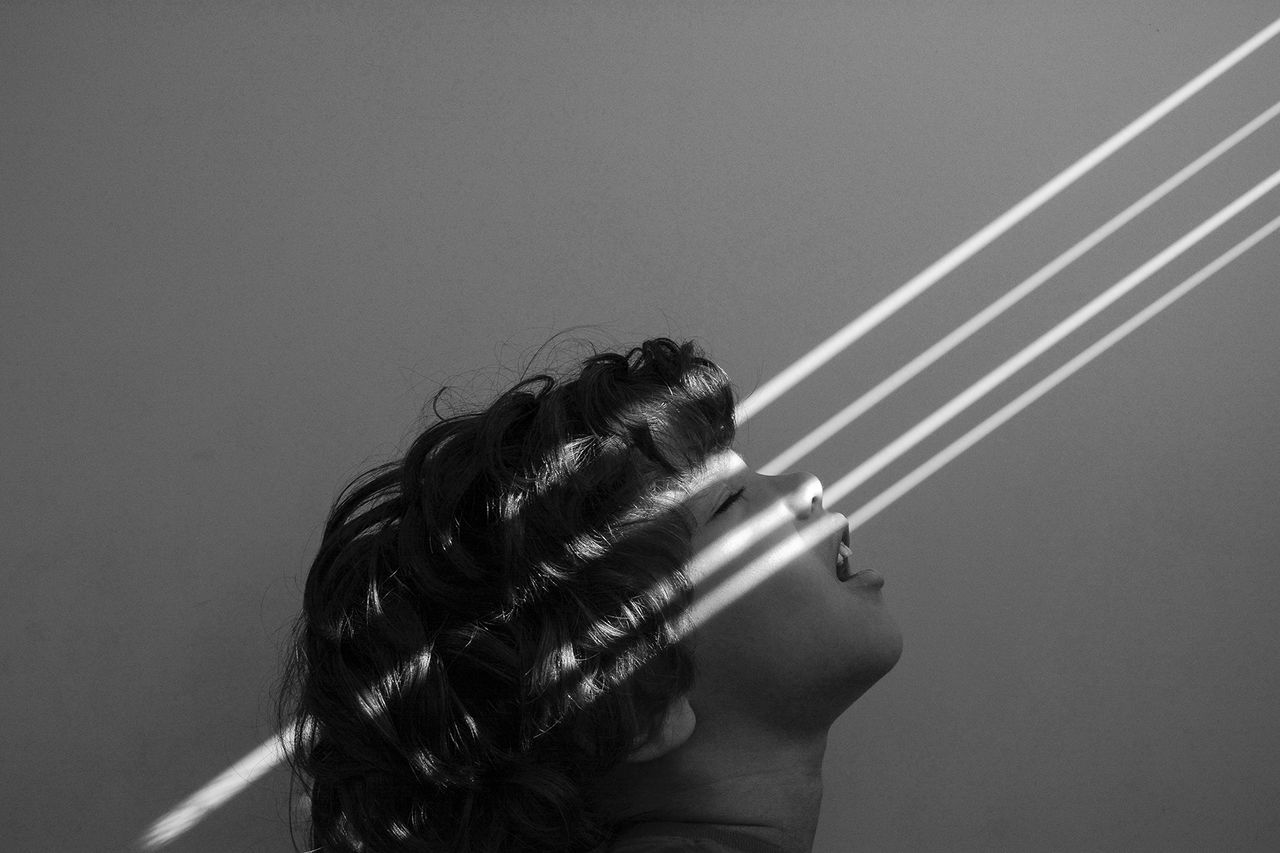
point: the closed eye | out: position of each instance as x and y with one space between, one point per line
728 502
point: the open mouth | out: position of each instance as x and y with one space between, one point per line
843 554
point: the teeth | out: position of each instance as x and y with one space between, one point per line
842 562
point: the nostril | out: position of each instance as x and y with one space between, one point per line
803 493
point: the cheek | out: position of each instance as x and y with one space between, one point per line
794 648
764 623
820 632
781 630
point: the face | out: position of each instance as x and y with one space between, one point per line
776 633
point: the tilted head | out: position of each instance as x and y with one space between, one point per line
489 624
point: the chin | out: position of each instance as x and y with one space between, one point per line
877 656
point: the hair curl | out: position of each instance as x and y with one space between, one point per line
488 625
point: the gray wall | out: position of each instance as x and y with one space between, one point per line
241 243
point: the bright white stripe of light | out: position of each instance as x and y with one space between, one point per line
977 390
745 578
222 788
819 436
832 346
1035 392
237 777
760 569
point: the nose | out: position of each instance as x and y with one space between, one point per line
802 491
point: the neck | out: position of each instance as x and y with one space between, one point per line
769 788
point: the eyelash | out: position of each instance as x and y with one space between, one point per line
728 502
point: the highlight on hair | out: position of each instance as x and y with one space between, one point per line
488 625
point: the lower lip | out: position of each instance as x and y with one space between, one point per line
867 577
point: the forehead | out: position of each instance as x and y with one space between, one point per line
709 480
701 486
718 466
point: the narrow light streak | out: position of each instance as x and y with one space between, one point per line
746 578
977 390
258 762
1035 392
216 793
270 752
760 569
836 343
837 422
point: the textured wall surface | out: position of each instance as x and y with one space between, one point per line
241 244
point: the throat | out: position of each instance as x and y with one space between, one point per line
777 805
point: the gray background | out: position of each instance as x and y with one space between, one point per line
242 243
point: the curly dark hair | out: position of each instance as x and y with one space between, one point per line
489 624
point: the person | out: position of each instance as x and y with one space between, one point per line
576 620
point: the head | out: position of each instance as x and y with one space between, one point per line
489 624
512 611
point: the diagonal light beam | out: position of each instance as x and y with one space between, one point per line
761 568
215 794
248 769
270 752
1035 392
837 422
979 389
836 343
257 763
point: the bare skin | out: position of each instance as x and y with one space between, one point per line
775 668
771 791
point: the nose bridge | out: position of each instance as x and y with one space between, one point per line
801 490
